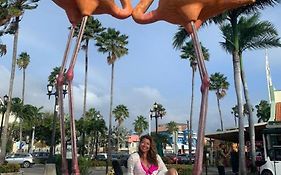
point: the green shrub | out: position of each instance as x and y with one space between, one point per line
96 163
9 168
83 162
84 165
181 168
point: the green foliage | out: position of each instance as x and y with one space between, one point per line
120 113
263 111
140 124
181 169
219 84
9 168
97 163
112 42
83 162
84 165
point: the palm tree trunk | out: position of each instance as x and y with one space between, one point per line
4 138
237 82
191 116
251 120
85 93
85 80
219 108
22 96
110 118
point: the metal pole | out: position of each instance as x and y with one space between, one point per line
149 124
2 120
32 139
156 123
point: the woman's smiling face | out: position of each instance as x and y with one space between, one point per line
145 145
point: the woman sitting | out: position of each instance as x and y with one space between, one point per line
146 161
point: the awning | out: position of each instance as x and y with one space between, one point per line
232 135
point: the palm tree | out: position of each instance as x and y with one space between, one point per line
3 49
8 11
263 111
188 52
253 34
22 62
92 29
235 114
140 124
13 28
219 84
114 44
120 113
173 129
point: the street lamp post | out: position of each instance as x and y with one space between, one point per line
157 112
3 107
51 91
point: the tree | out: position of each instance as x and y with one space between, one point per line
188 52
8 11
219 84
114 44
13 28
120 113
22 62
44 129
92 29
263 111
173 129
140 124
247 33
31 116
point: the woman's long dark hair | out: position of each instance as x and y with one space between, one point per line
152 154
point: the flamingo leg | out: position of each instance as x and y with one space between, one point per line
197 167
69 78
60 82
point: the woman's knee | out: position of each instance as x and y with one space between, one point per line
172 171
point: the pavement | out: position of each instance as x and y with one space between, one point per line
39 170
210 171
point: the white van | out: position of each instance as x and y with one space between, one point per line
271 165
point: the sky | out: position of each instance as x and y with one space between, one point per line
151 72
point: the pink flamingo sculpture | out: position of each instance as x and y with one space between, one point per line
78 11
190 14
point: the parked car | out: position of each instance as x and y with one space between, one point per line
182 159
171 158
24 159
100 157
124 160
40 157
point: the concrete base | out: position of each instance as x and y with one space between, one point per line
50 169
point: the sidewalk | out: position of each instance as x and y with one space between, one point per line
210 171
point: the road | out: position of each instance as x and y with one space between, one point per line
37 169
